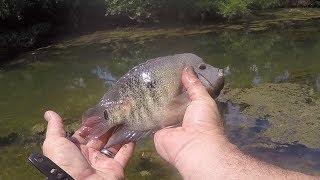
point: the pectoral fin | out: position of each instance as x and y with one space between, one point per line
124 135
100 119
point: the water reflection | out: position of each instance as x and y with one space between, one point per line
78 83
290 55
318 83
104 75
256 79
247 136
227 71
284 77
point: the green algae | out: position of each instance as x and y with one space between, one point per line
147 164
16 163
38 128
292 110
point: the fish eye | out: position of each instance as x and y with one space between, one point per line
202 67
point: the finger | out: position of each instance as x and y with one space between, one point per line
77 138
124 154
104 164
99 143
97 159
95 143
82 135
113 150
193 85
55 125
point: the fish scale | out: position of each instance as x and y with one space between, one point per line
149 97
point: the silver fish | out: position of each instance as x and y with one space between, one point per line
149 97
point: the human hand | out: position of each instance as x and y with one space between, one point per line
190 146
200 150
81 159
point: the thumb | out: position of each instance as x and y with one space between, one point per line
55 125
202 111
193 85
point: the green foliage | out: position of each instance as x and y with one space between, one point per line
316 3
25 38
154 10
26 23
56 12
146 10
4 9
263 4
134 9
231 8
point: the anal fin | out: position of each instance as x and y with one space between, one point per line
124 135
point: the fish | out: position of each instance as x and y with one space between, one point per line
148 98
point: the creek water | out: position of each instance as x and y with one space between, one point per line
70 79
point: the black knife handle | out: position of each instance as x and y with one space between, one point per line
48 168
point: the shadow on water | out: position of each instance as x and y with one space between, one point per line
247 137
10 139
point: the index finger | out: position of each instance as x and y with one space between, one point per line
81 136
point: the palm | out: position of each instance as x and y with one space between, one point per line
195 130
82 160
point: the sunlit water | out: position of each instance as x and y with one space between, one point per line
72 79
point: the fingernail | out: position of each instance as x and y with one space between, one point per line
192 77
47 115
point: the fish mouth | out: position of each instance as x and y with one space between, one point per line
215 89
88 128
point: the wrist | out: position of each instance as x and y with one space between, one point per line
204 158
224 160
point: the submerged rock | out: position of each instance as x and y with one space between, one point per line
292 112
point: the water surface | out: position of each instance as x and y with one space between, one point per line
69 79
